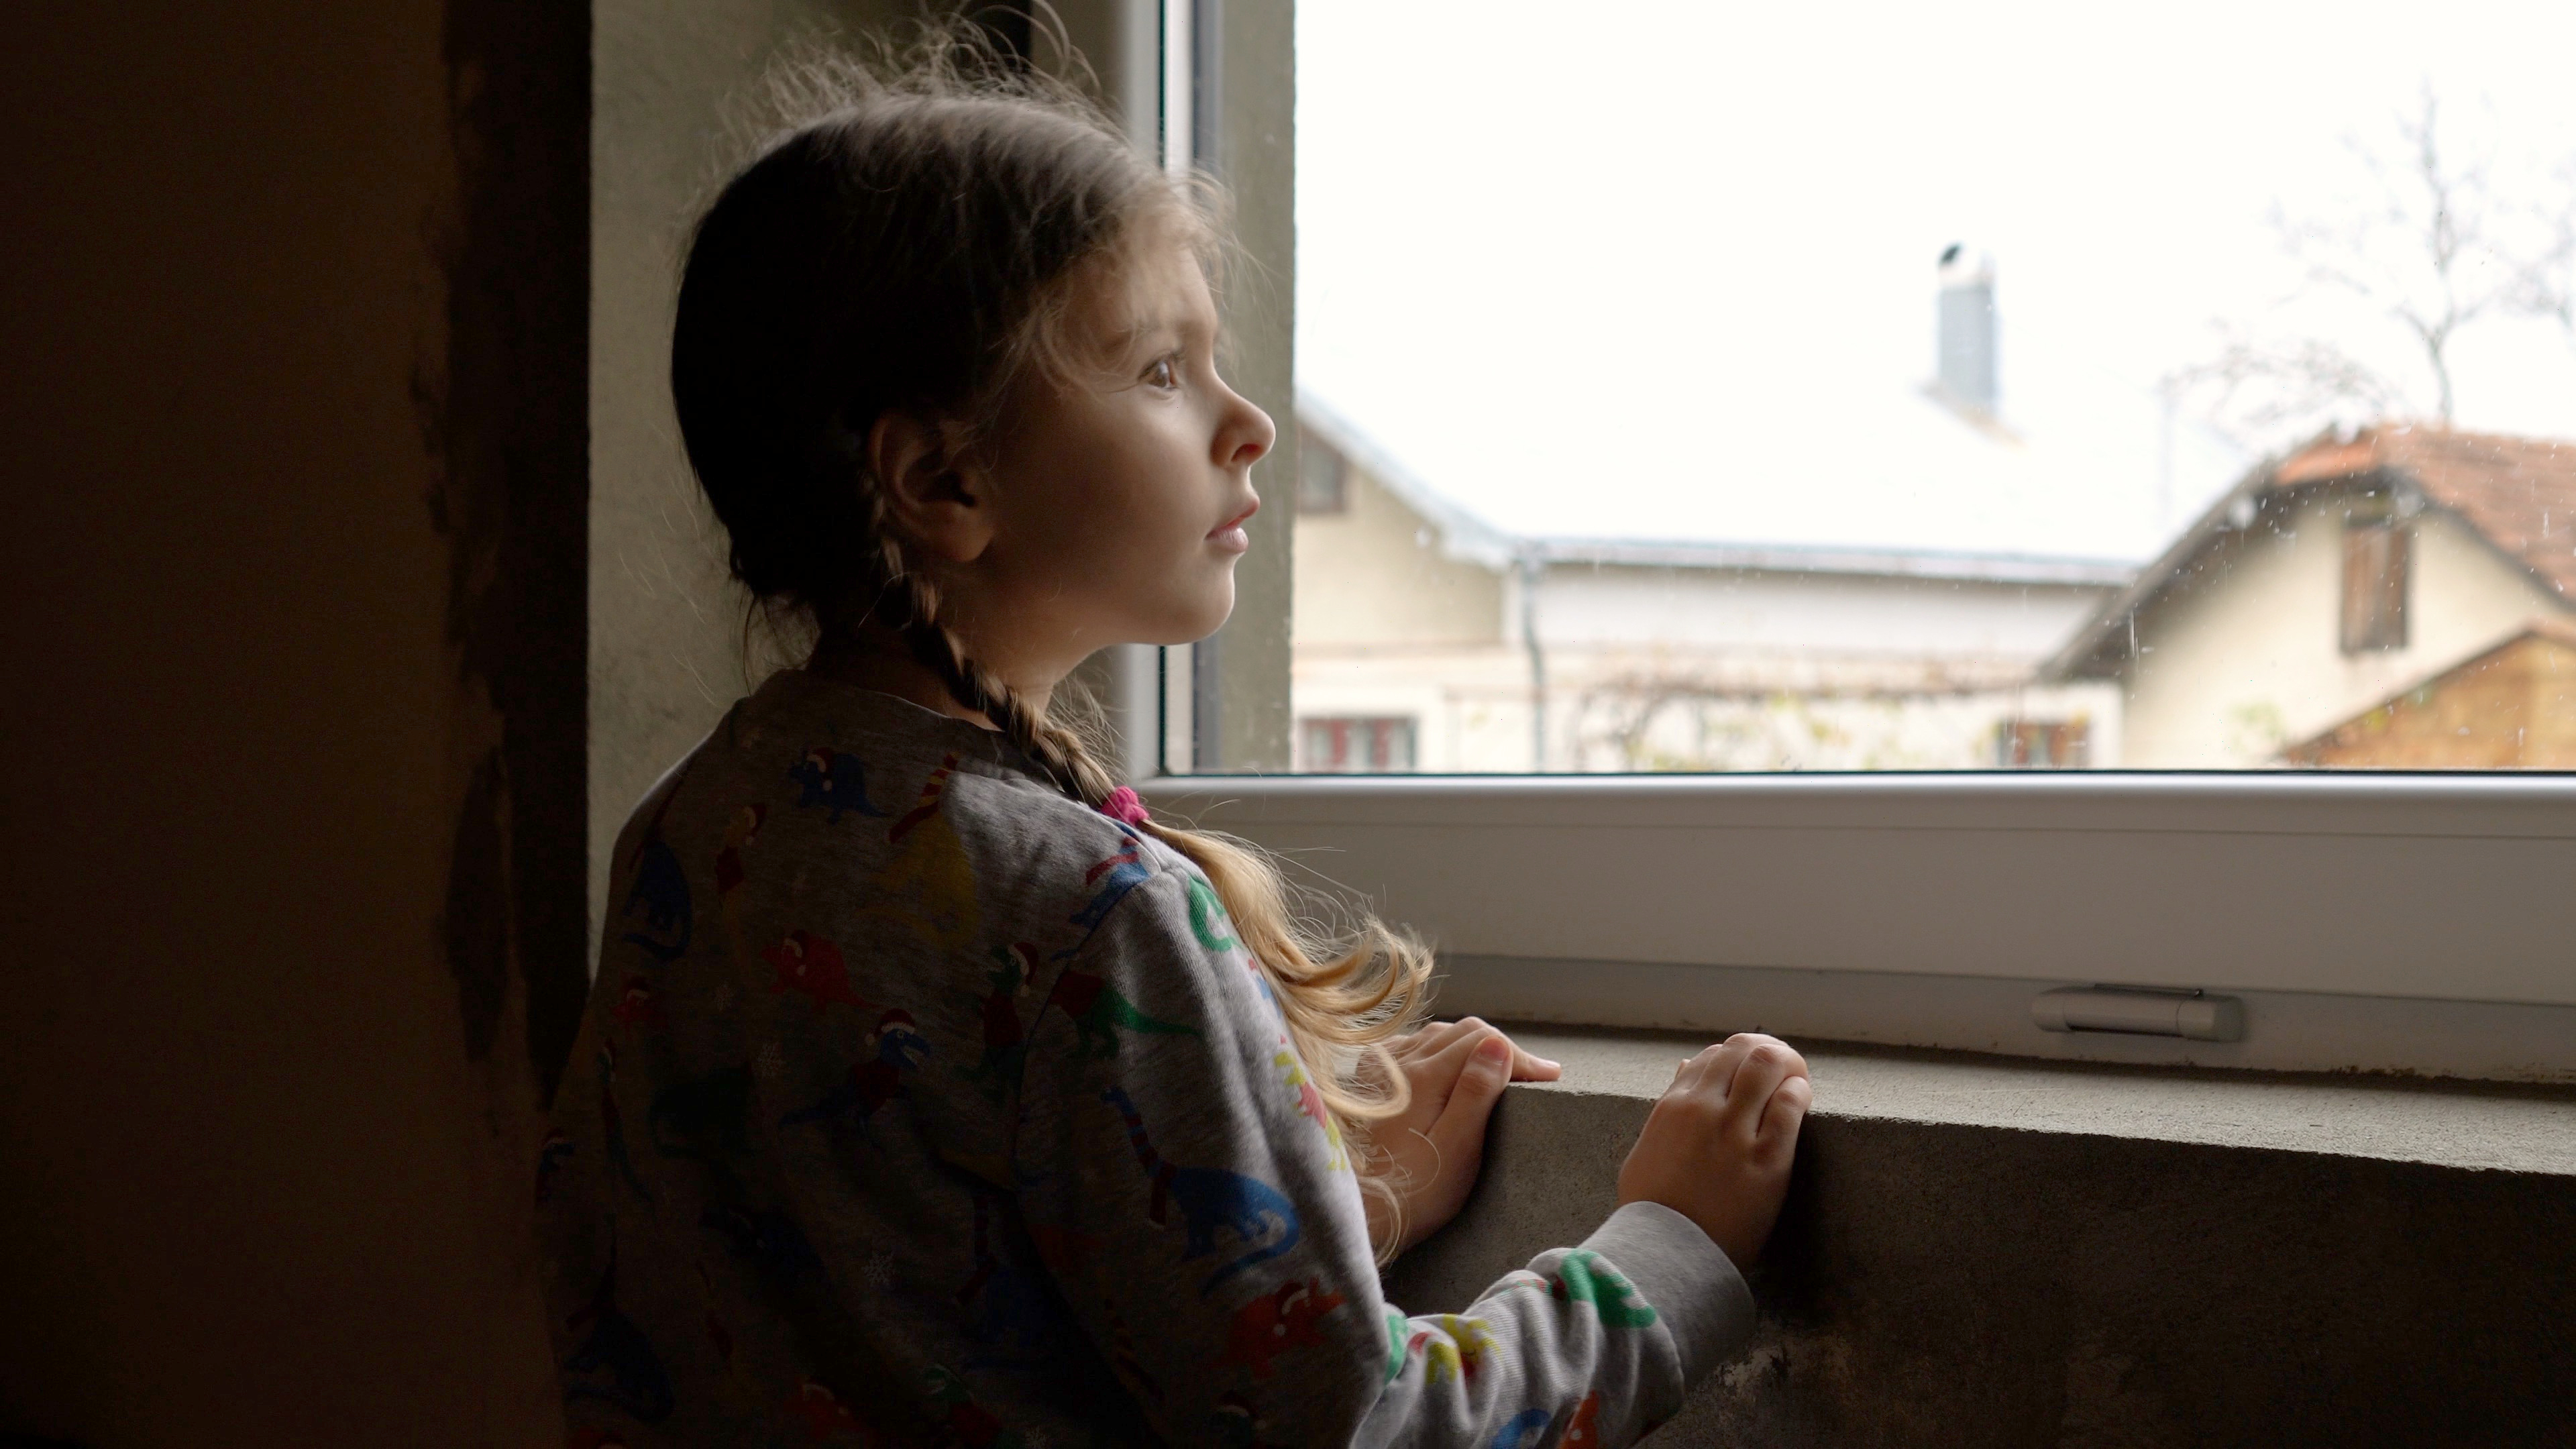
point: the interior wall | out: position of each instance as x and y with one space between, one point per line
675 98
293 803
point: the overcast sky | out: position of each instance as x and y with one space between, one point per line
1669 272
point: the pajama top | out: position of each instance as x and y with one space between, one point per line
917 1103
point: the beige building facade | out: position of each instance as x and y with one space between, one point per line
1425 639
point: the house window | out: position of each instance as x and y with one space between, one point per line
1323 478
2376 556
1356 746
2039 744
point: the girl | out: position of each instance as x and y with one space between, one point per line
931 1090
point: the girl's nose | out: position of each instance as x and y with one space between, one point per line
1247 436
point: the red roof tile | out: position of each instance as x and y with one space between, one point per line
2518 492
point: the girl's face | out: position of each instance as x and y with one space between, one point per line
1120 495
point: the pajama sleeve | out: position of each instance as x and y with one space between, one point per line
1197 1210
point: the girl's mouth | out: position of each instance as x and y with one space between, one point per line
1229 535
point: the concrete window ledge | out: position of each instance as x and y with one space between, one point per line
1984 1251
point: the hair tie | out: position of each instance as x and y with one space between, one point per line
1124 807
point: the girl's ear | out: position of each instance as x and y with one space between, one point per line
936 497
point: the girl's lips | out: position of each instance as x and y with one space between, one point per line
1229 535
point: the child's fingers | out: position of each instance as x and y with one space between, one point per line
1432 1036
1442 1066
1787 1109
1527 1067
1459 1134
1758 1074
1719 1063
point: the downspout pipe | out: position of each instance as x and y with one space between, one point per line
1533 562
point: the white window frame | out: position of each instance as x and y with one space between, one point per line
2420 923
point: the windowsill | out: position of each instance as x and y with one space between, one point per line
1983 1249
2480 1126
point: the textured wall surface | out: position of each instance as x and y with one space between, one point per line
1967 1283
293 786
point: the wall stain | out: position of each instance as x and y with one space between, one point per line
503 403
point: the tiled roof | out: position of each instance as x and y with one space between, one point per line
2518 492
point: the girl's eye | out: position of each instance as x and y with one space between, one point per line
1163 373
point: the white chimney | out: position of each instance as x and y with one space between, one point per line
1967 376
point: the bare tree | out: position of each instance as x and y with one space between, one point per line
2428 254
2545 281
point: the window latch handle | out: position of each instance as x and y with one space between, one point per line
2141 1011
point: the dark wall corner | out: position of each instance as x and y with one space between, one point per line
506 410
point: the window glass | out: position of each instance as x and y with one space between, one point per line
1687 387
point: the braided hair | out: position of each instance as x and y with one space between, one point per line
909 246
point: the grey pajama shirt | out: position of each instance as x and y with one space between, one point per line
917 1103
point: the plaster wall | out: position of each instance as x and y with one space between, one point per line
675 90
2233 669
293 811
1972 1254
1373 576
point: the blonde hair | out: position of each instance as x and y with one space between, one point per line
912 245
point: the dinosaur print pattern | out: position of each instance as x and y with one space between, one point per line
1584 1278
821 1412
842 1109
1583 1426
1398 1331
967 1422
811 966
1207 916
636 1007
1099 1013
832 781
928 887
1110 879
1576 1426
1310 1101
1458 1349
1277 1321
661 893
1525 1430
1212 1200
997 1071
853 1102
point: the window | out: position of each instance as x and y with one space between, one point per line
1944 471
2375 556
1355 746
2041 745
1878 443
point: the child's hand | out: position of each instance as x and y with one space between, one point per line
1716 1148
1431 1152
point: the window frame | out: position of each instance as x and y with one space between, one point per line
1954 896
1924 909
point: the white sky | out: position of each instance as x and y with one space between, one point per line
1668 272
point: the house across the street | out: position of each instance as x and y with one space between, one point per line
2400 597
1427 640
